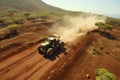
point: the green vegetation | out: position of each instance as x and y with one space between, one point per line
113 21
2 15
33 16
18 19
45 16
103 27
103 74
13 26
11 11
8 20
27 14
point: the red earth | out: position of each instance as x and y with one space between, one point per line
71 64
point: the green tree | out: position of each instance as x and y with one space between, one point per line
18 19
33 16
45 16
2 18
8 20
103 74
103 27
27 14
11 11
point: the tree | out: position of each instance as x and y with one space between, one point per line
27 14
2 18
8 21
103 27
33 16
45 16
18 19
11 11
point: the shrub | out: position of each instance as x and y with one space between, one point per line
8 21
13 26
11 11
17 19
103 74
2 18
33 16
103 26
45 16
27 14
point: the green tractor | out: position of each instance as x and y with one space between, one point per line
50 45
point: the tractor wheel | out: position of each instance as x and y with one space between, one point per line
50 51
61 44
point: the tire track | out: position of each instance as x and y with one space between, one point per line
40 72
12 66
28 69
20 68
18 61
29 73
17 57
27 78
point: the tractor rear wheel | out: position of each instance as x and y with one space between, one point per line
61 44
50 51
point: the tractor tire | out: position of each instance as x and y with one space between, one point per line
61 44
50 51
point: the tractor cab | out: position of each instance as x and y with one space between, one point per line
51 44
51 40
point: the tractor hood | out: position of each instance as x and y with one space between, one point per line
45 43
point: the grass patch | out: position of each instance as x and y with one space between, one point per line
13 26
103 74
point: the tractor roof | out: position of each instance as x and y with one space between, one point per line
51 38
45 43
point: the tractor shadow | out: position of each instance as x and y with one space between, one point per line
56 54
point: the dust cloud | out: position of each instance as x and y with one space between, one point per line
73 27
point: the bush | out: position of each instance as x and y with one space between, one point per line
45 16
103 26
11 11
103 74
27 14
113 21
13 26
33 16
8 20
17 19
2 18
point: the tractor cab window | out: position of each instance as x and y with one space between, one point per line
51 40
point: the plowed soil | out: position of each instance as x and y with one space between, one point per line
73 63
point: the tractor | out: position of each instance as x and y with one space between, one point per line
50 45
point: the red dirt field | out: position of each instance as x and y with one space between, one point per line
72 64
87 63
